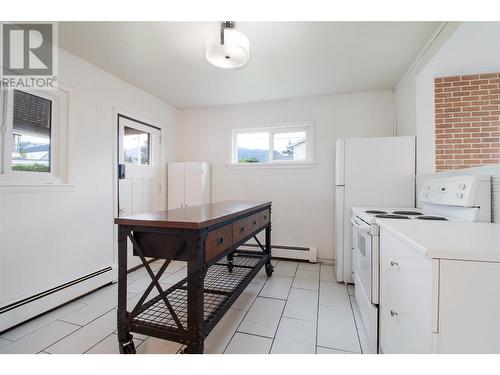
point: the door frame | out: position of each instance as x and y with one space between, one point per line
117 114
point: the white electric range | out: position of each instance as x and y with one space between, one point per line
458 198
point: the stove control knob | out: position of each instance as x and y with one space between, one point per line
460 195
461 186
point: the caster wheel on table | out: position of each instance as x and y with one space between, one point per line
127 347
230 264
269 269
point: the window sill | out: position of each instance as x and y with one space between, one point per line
305 164
32 187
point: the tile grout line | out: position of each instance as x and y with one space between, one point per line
244 316
246 313
317 313
80 327
86 324
62 338
355 323
44 325
354 318
98 343
63 321
284 307
340 350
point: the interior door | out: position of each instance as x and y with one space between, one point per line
140 173
176 197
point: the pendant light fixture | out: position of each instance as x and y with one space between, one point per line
231 50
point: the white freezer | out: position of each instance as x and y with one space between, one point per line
373 172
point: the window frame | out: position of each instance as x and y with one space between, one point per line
58 140
272 130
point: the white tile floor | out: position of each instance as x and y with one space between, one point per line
300 309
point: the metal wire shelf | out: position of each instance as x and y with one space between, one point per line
219 286
241 260
158 316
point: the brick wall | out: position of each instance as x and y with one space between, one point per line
467 121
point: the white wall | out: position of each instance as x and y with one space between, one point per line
405 91
303 198
55 236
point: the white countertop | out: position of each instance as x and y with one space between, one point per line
447 239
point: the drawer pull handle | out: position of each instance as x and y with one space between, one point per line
242 228
265 217
394 313
254 222
394 264
220 240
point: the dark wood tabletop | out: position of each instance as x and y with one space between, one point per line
195 217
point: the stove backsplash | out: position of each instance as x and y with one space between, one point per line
493 171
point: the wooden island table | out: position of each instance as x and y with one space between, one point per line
207 237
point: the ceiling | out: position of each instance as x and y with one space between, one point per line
287 59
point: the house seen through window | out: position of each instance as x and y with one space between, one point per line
272 145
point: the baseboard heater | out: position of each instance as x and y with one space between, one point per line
289 252
27 308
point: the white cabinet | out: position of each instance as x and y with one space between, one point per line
405 298
432 305
188 184
469 307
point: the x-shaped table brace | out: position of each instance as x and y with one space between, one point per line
155 281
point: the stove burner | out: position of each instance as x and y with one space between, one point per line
375 212
413 213
391 216
428 217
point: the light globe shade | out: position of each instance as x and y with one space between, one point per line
234 53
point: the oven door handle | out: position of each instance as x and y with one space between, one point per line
360 225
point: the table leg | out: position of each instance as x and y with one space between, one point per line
196 276
126 345
269 266
230 259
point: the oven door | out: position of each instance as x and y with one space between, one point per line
363 248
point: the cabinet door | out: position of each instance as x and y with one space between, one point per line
469 307
205 188
406 297
193 176
175 185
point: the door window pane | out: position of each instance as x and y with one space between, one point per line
289 146
252 147
136 146
31 133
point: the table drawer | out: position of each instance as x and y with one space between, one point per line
243 227
218 241
265 217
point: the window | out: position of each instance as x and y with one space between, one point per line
136 146
33 136
291 144
252 147
31 133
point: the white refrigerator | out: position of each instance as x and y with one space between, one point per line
378 172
